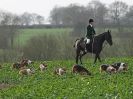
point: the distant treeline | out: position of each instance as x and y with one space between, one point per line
117 15
42 26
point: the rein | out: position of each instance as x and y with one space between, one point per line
92 47
104 44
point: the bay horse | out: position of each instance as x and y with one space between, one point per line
95 46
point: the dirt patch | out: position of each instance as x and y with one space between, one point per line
4 86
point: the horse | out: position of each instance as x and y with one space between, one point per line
95 46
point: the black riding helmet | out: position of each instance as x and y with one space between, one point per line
91 20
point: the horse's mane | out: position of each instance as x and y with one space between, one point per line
101 34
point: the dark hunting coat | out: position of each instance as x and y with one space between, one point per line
90 32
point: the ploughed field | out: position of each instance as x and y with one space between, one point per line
43 85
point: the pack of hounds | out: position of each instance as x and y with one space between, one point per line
24 69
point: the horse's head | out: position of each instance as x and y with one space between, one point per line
108 37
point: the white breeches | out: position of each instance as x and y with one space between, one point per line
87 40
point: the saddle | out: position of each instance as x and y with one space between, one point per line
83 44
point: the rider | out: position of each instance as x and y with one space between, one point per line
90 32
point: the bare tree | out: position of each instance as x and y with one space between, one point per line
39 19
98 11
33 18
9 24
26 19
117 10
129 17
79 19
56 16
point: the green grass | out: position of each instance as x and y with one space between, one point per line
24 35
70 86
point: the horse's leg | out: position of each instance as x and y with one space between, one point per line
99 58
77 55
96 56
81 55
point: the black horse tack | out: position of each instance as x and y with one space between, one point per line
94 47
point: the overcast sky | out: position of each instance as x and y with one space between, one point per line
43 7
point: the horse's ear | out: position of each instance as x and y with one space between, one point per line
109 31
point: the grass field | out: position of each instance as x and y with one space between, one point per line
24 35
70 86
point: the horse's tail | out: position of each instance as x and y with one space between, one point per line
76 42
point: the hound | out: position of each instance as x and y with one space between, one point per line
107 68
80 69
120 66
42 67
60 71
